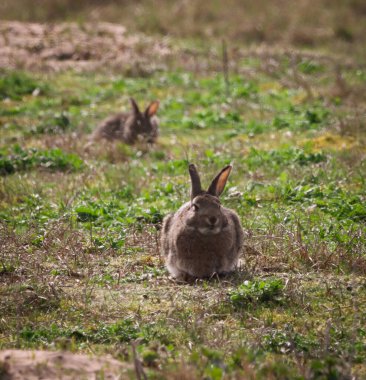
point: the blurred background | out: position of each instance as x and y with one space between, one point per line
336 25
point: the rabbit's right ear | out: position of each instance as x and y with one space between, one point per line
195 181
152 108
135 107
218 184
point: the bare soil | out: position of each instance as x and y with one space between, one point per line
46 365
87 47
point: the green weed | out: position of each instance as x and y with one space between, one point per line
257 292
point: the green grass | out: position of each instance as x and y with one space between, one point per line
256 291
19 159
14 85
80 267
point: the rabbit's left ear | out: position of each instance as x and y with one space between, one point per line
152 108
135 107
196 188
218 184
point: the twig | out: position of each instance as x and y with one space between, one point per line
344 307
225 68
328 326
140 373
298 79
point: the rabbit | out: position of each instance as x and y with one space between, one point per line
202 238
128 127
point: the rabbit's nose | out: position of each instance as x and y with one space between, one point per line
213 220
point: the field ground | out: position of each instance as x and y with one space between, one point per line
80 268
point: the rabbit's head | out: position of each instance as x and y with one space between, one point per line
143 124
205 213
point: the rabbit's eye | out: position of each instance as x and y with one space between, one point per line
195 207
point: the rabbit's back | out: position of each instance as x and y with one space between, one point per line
112 128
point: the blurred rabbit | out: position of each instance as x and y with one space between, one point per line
129 126
202 238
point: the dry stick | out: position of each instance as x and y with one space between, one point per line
140 373
225 68
355 321
187 153
340 81
360 301
298 79
209 66
328 326
157 246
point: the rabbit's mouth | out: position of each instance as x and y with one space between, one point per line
210 230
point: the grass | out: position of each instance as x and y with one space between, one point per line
256 291
19 159
13 85
80 263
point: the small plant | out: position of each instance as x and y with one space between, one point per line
121 331
329 368
286 341
86 214
149 357
208 118
257 291
286 156
309 67
279 370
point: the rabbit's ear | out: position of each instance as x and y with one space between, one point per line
195 181
218 184
135 107
152 108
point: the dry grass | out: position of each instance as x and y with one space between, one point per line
45 47
68 278
301 23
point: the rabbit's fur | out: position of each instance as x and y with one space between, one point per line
130 126
202 238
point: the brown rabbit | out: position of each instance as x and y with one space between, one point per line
202 238
128 127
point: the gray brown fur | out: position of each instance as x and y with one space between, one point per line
202 238
130 126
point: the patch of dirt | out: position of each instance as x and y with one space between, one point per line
47 365
103 46
87 47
